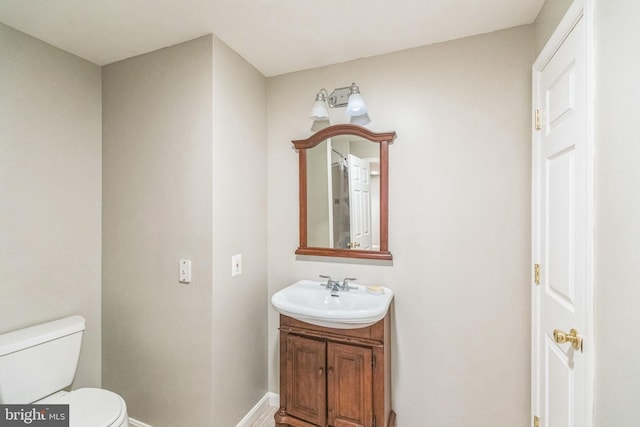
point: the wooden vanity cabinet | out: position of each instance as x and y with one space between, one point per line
334 377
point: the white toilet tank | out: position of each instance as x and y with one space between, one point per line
38 361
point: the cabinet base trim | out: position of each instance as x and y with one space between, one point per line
392 420
287 421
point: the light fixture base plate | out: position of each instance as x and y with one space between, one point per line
339 97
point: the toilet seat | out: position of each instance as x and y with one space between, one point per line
92 407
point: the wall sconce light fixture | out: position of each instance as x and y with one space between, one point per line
349 97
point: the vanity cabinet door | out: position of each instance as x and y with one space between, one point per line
306 387
350 385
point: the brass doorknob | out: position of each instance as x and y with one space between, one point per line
562 337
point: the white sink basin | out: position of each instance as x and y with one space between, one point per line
309 301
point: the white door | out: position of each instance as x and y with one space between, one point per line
562 212
359 202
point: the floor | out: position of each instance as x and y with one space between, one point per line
266 418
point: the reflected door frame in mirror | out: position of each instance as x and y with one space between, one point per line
384 140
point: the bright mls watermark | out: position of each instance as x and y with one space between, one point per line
34 415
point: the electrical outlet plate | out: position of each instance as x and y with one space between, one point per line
185 271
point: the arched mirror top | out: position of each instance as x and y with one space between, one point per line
345 129
343 186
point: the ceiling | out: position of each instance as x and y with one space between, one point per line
276 36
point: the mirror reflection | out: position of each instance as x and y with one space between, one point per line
343 194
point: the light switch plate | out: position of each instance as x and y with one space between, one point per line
236 265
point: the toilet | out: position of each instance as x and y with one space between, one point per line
39 362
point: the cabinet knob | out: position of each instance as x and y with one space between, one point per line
320 371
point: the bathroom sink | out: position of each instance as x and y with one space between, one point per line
309 301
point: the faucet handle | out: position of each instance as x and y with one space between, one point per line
345 282
328 285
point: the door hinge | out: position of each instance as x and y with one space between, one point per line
536 421
538 119
536 273
373 362
374 421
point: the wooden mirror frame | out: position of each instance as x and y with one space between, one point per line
302 145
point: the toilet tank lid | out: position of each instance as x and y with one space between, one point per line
38 334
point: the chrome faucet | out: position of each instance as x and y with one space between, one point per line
335 286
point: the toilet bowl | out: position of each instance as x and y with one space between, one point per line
91 407
38 363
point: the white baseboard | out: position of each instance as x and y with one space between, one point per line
136 423
269 399
274 399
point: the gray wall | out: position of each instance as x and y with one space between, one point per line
157 209
50 133
617 213
239 227
185 177
459 219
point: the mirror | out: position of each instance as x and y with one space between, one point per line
344 193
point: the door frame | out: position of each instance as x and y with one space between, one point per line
579 9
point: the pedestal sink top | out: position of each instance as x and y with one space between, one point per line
309 301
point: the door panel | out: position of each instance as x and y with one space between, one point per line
350 388
560 218
559 379
561 97
360 202
306 387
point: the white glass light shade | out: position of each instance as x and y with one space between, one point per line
362 120
319 111
356 105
